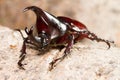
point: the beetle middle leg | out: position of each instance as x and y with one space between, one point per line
66 52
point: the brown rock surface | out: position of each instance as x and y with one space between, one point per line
86 62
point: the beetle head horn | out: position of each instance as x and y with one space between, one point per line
33 8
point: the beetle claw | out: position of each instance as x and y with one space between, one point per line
53 63
108 43
20 65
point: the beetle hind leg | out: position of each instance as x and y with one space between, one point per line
92 36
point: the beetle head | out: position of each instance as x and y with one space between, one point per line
42 39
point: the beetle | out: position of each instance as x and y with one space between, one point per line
50 30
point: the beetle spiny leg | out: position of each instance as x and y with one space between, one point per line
20 62
20 33
92 36
23 54
52 64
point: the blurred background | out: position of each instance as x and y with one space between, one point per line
100 16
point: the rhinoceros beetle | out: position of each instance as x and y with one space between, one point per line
54 31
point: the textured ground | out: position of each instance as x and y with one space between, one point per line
86 62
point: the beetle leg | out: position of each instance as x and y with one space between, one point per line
28 32
60 47
23 54
20 33
92 36
66 52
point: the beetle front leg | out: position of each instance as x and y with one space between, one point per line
66 52
23 54
92 36
20 33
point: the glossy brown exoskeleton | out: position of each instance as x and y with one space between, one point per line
50 30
